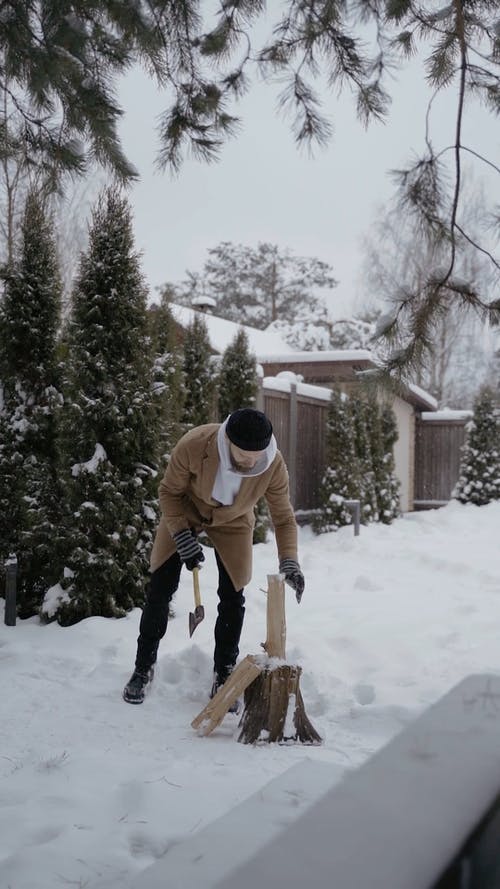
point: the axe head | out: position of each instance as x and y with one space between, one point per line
196 618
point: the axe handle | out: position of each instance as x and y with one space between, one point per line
196 587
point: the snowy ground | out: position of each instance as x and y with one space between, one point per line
93 789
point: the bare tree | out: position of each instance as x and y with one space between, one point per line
14 177
458 346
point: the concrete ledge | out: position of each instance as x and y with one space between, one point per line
405 816
201 861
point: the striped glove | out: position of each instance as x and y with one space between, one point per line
189 549
293 576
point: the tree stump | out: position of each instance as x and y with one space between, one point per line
274 708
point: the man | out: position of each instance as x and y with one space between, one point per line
215 476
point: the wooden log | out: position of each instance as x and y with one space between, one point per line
213 714
275 644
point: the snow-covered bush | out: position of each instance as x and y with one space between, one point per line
362 414
30 491
360 438
386 482
341 477
479 480
262 521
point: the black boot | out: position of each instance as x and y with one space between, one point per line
135 689
218 682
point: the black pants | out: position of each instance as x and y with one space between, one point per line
162 586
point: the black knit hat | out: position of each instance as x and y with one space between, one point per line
249 430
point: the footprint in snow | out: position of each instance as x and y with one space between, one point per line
109 653
143 845
364 583
171 672
364 693
44 835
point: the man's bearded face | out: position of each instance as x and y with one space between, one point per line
243 460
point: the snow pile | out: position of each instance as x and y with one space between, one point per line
283 382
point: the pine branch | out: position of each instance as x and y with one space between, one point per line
309 125
458 135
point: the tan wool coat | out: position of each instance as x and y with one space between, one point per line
186 502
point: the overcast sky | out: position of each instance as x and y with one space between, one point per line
265 189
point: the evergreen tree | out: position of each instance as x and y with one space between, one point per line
168 375
237 380
387 483
199 376
262 521
237 385
29 482
374 430
363 448
341 478
110 428
59 72
479 480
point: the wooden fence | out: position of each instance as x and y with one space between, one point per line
438 444
299 423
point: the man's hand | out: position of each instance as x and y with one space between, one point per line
189 549
293 576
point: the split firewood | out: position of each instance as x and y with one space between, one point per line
213 714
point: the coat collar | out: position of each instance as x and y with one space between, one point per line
210 465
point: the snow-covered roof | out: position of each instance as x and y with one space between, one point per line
423 397
447 414
222 332
204 302
323 356
270 349
353 358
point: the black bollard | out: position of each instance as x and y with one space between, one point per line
10 591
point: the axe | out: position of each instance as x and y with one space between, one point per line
199 611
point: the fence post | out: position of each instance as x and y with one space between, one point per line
10 591
259 398
292 443
355 507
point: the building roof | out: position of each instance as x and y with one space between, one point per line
420 398
447 415
321 367
343 365
276 355
222 332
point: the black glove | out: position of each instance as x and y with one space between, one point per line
189 549
293 576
